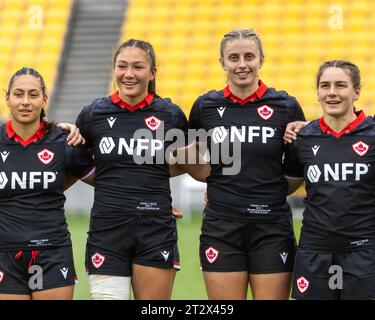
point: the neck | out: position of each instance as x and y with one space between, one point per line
339 123
25 131
132 101
244 92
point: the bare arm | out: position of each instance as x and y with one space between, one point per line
198 171
191 160
89 179
74 138
69 182
177 212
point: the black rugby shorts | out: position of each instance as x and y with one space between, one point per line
116 242
27 271
258 248
334 275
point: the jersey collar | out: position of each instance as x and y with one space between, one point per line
355 123
256 95
115 97
35 137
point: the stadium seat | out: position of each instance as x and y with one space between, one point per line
297 38
23 45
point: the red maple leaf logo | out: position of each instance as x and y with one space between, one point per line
45 156
97 260
211 254
265 112
361 148
152 123
302 284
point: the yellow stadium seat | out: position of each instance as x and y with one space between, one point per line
42 3
63 5
296 36
3 66
14 5
23 45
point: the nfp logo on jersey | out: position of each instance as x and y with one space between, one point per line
337 172
107 144
27 180
242 134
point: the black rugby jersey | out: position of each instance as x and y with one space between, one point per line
258 191
123 184
339 172
32 184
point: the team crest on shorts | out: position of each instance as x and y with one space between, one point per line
152 123
302 284
360 148
211 254
97 260
1 276
265 112
46 156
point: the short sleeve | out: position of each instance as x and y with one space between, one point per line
297 112
182 122
194 117
84 123
182 125
79 162
291 164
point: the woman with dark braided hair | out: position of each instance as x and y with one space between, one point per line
37 164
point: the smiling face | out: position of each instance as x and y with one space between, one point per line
26 100
336 92
133 73
241 61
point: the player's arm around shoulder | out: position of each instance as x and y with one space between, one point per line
79 166
188 157
297 122
74 138
293 168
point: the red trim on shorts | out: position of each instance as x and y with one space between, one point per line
34 254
